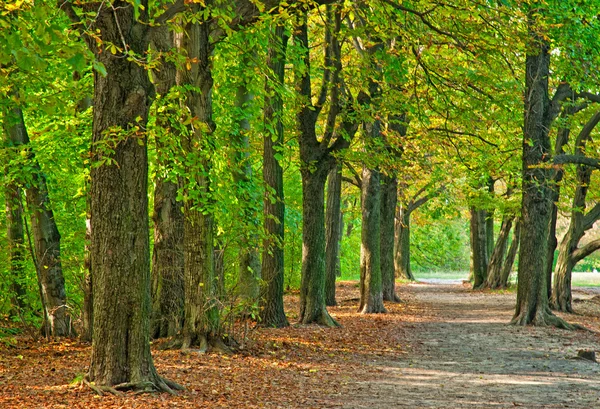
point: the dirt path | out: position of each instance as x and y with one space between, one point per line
464 355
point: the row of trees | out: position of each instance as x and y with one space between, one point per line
406 102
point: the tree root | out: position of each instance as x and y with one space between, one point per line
161 385
545 318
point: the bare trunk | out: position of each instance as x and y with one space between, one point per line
16 245
201 312
332 231
371 292
402 244
249 268
494 274
271 301
312 288
389 198
479 255
57 321
167 257
532 294
511 256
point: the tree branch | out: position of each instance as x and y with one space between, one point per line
178 7
585 251
591 217
576 160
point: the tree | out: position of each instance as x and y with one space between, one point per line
317 160
569 251
271 301
333 230
57 321
532 296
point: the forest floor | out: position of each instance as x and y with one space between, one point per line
445 346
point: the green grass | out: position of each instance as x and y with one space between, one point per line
585 280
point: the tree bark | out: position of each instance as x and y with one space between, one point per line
201 312
532 293
249 259
57 321
271 300
119 207
371 291
479 255
16 245
494 273
402 244
569 254
511 256
389 199
332 232
167 286
316 162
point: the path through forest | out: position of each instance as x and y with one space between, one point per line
464 355
444 347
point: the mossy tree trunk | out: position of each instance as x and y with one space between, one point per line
532 294
494 273
57 321
333 226
569 252
271 300
389 199
167 257
317 159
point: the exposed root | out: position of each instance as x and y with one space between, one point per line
102 389
394 299
217 345
545 318
327 320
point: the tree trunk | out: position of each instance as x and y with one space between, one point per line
371 291
119 209
316 161
532 294
511 256
312 288
167 260
389 198
402 244
57 321
332 232
494 273
167 257
249 268
201 314
271 300
562 298
87 313
479 255
16 248
569 254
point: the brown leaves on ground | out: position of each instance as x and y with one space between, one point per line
298 366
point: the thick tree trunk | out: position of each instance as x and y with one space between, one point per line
532 294
479 255
402 244
562 298
316 162
249 259
119 210
201 313
312 288
494 274
57 321
511 256
167 261
16 248
389 199
371 292
332 232
167 256
271 300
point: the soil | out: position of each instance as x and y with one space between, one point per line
464 355
445 346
